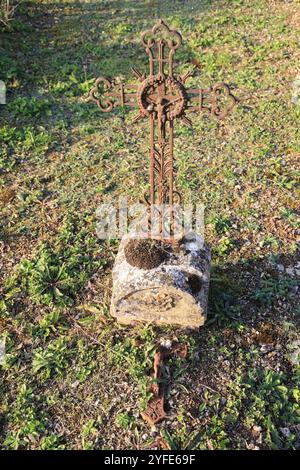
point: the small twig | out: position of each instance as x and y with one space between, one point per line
209 388
8 11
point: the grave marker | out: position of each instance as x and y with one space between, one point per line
164 280
162 98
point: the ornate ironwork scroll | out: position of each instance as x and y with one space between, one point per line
161 98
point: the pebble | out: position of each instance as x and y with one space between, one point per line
295 289
266 348
285 432
75 384
290 271
166 343
256 429
251 446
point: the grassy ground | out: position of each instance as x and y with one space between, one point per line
73 378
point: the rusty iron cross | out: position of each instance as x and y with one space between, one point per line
161 97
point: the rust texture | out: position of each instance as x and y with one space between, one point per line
161 98
155 411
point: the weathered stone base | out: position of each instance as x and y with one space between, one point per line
175 292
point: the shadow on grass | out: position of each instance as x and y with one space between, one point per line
71 42
253 289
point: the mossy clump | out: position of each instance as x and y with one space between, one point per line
145 253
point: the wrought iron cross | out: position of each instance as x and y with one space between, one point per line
161 97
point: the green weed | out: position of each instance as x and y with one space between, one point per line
53 359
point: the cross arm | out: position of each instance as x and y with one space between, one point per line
217 100
107 94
